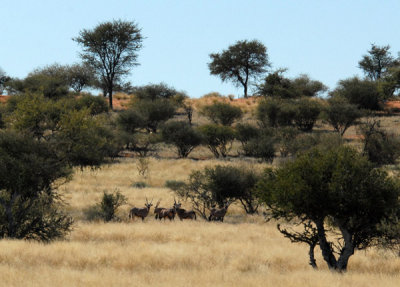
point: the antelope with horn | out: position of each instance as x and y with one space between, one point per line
182 213
219 214
167 213
157 209
141 212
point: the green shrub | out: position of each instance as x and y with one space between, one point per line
140 184
276 112
95 104
363 93
217 185
340 114
182 136
261 147
154 112
267 112
379 146
218 138
307 112
107 208
130 121
154 92
30 207
222 113
245 132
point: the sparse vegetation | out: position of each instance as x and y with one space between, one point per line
329 181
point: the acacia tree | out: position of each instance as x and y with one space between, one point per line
333 190
376 64
277 85
341 114
240 62
111 49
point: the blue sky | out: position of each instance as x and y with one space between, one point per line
321 38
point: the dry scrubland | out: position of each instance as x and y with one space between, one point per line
243 251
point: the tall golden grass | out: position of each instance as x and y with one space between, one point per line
243 251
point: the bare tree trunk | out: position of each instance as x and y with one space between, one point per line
346 251
110 91
326 248
313 262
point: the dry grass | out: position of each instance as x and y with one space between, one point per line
243 251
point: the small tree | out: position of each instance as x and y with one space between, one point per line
84 140
51 81
80 76
276 112
331 189
154 112
218 138
222 113
246 132
96 105
182 136
341 115
111 50
276 85
218 185
363 93
379 146
240 63
262 147
30 207
110 203
307 112
130 121
377 63
154 92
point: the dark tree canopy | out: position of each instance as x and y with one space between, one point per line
277 85
154 92
222 113
377 62
332 189
29 207
341 114
80 76
363 93
111 49
182 135
240 63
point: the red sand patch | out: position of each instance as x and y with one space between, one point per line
120 104
392 104
3 99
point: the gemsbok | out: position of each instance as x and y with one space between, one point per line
219 214
167 213
182 213
158 209
140 212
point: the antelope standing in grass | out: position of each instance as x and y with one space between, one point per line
157 209
219 214
140 212
167 213
182 213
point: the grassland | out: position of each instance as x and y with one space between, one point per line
242 251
